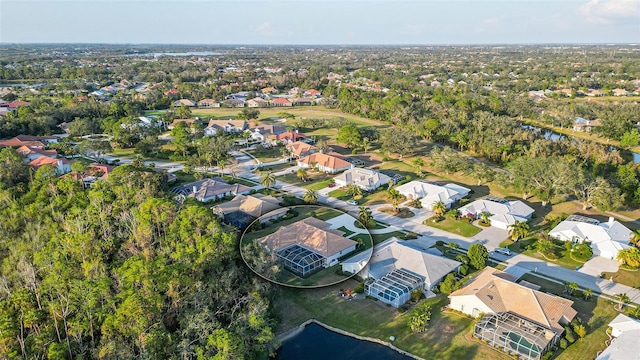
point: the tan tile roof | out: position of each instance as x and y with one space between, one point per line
325 160
28 150
300 149
241 124
497 290
255 205
310 233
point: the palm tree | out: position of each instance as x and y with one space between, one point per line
545 246
221 165
623 299
311 197
268 180
365 216
573 287
354 191
518 230
302 174
365 144
484 217
439 208
395 197
588 293
629 256
418 163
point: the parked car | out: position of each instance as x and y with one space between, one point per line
331 185
503 251
352 202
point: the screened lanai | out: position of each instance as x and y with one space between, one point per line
394 288
301 261
512 333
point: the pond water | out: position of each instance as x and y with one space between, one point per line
317 343
550 134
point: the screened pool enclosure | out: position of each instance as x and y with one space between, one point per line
301 261
515 335
394 288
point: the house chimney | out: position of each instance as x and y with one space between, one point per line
194 188
611 219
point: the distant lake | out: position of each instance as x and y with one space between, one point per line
318 343
190 53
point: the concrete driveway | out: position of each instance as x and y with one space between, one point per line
597 265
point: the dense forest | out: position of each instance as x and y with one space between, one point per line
120 271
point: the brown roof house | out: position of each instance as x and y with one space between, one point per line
325 162
227 126
244 209
28 140
517 318
300 149
308 246
62 166
210 189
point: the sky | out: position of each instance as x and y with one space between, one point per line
320 22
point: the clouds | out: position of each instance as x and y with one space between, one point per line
606 12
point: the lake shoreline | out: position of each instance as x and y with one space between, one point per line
297 330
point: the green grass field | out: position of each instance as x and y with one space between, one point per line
459 227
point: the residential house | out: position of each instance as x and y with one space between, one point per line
208 103
532 320
257 102
262 132
606 238
184 102
62 166
623 323
503 212
302 102
32 152
244 209
269 90
324 162
623 343
287 137
14 105
312 93
281 102
234 103
429 193
366 179
227 126
93 173
28 140
620 92
300 149
308 246
396 268
582 124
210 189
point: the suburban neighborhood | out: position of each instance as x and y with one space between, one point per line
442 208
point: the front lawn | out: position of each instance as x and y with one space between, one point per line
459 227
346 231
315 180
446 337
626 277
266 154
340 194
378 238
401 212
322 277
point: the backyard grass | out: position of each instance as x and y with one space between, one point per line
459 227
374 319
595 313
323 277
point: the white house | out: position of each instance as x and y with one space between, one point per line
228 126
606 238
503 212
366 179
211 189
624 345
429 193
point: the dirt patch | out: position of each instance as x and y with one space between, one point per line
447 329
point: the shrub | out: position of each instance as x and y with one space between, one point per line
563 343
569 335
440 243
339 271
464 269
354 151
359 289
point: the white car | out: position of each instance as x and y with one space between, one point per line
503 251
352 202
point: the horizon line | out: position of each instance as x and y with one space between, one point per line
300 44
